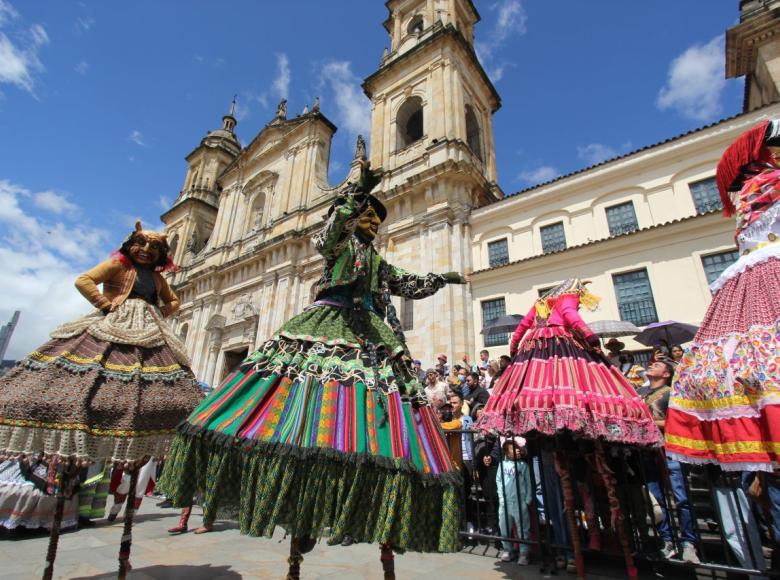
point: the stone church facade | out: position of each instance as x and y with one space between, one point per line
242 223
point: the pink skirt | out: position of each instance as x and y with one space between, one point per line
559 383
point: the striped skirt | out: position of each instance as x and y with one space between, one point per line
312 436
558 383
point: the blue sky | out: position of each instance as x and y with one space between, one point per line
101 101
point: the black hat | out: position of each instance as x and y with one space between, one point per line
361 199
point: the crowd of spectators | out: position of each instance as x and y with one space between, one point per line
499 468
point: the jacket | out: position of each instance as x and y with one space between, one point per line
118 280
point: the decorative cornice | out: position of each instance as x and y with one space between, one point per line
744 39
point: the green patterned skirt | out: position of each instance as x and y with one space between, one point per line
318 432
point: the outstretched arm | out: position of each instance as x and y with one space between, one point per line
403 283
170 302
339 227
526 323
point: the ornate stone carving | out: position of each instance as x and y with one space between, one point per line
360 148
281 109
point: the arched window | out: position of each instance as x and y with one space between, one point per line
185 328
473 134
409 121
415 25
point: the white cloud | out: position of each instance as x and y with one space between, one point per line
511 20
82 67
538 175
594 153
83 24
137 137
7 12
39 260
281 84
695 81
353 109
164 203
19 59
55 203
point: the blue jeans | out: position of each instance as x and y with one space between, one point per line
554 507
656 487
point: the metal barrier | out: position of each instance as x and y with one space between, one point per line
516 500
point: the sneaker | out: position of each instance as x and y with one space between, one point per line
689 553
505 556
668 551
560 562
522 559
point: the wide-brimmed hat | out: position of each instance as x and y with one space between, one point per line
615 344
442 356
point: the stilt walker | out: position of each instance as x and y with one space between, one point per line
561 385
327 426
110 386
724 407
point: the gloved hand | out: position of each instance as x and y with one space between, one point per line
593 340
454 278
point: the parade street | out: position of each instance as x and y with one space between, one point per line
224 554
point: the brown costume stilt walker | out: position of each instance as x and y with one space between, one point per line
109 386
562 467
127 533
64 491
618 520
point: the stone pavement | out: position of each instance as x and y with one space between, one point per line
224 554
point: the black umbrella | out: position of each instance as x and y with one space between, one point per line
506 323
667 332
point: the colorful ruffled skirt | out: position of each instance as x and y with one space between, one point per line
108 388
725 402
322 431
557 383
25 501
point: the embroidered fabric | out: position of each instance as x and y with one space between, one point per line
771 252
759 230
135 322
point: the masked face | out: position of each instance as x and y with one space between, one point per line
145 249
368 223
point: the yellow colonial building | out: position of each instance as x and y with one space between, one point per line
645 227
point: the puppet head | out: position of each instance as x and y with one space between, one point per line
147 249
568 286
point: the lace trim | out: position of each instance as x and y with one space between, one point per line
760 229
135 322
745 262
736 466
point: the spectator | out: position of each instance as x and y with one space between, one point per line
435 388
677 353
614 346
477 395
441 366
490 376
450 423
484 361
513 481
661 353
634 373
656 395
487 456
503 362
467 455
418 371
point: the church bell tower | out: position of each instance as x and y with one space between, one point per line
432 107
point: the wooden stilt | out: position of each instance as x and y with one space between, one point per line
54 537
562 466
295 560
127 533
618 520
388 561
